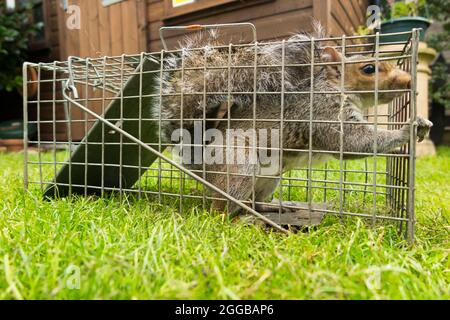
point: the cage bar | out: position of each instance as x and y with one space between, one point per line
121 150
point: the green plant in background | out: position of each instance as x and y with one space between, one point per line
16 29
363 30
406 8
440 11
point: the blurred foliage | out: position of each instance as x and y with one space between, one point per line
405 8
440 11
363 30
391 9
16 29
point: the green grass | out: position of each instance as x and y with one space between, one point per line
138 249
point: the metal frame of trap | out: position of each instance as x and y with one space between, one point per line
123 127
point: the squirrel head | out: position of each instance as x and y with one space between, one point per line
360 76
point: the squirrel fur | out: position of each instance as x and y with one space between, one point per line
230 104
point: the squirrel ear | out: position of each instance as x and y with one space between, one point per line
330 54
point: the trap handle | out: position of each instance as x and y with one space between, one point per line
193 27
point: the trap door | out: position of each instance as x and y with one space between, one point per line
108 161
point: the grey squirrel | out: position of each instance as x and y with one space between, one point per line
226 75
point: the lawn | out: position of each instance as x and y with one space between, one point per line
107 249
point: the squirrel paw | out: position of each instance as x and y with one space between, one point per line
423 128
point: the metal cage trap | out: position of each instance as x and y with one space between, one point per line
113 142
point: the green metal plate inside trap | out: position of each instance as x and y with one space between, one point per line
86 163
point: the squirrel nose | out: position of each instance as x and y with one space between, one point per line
401 79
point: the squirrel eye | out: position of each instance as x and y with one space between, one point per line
368 69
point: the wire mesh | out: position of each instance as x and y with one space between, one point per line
83 146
